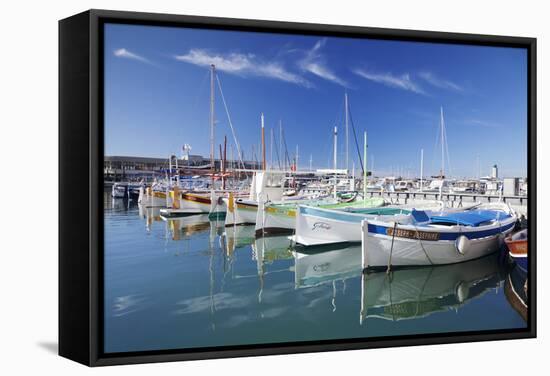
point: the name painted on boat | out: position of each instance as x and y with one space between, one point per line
412 234
321 225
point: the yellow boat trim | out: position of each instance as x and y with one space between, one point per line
286 212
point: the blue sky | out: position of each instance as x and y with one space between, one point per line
157 97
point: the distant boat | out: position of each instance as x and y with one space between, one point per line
119 191
154 196
517 248
432 238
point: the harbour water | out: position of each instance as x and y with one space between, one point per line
190 282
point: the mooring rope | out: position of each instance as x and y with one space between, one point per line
391 249
422 245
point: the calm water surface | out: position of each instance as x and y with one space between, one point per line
190 282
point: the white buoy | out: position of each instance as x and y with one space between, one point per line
462 244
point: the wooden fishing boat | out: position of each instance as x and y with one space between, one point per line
265 186
517 248
435 238
326 225
280 218
154 197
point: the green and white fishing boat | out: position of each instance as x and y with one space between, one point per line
280 218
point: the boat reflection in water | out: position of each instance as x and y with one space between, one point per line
409 293
266 251
150 215
328 267
190 281
185 227
235 237
418 292
515 290
333 264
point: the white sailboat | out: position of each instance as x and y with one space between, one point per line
209 201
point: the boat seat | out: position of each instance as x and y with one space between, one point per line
420 216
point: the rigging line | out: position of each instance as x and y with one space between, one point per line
277 151
199 92
356 143
434 151
329 155
230 123
340 114
201 87
286 149
447 152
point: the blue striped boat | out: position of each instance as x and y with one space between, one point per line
431 238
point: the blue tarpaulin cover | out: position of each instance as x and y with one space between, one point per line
469 218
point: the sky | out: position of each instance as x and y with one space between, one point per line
157 98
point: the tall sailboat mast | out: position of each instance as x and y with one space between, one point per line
212 120
421 169
347 129
296 157
281 144
263 142
335 159
365 174
271 151
442 124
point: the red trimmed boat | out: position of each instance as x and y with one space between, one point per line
517 248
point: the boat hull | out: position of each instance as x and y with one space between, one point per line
517 249
200 203
274 220
281 219
193 203
410 246
241 212
317 226
154 199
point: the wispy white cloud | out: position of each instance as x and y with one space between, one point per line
439 82
124 53
403 81
314 63
482 123
243 65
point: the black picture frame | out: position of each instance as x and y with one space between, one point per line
81 185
